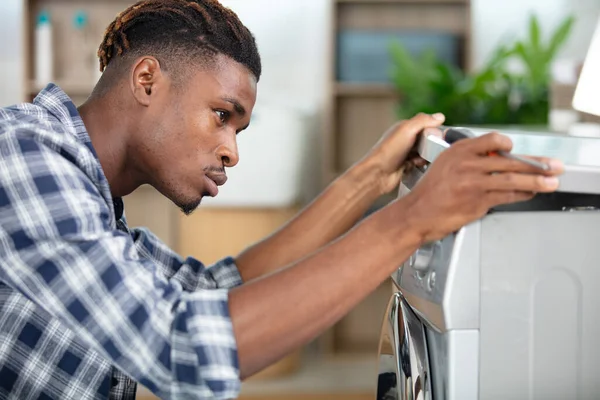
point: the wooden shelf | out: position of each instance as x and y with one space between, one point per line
364 89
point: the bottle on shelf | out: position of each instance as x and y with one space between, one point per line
44 51
89 63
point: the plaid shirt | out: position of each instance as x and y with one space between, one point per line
88 306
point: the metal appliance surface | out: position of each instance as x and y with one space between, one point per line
508 303
580 155
403 337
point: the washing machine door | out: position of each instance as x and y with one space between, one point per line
404 372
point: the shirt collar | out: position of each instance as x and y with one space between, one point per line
58 104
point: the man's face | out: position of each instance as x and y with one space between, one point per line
194 134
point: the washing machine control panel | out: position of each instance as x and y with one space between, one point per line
422 259
440 280
424 273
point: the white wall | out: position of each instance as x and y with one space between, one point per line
292 39
495 21
11 52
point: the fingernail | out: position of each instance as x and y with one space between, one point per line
439 116
556 165
551 181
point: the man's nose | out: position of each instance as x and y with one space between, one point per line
227 152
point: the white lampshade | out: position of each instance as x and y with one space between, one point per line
587 93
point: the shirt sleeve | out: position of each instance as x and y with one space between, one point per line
57 247
190 273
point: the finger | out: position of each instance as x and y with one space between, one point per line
488 143
497 198
416 159
422 121
511 181
419 162
503 164
408 166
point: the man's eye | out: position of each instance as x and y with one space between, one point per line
223 116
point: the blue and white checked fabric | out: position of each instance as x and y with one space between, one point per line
88 306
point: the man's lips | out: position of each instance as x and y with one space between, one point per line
211 187
213 181
217 178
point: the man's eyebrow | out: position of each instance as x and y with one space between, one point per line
236 105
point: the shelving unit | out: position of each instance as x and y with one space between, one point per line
358 113
75 62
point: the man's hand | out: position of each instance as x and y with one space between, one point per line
464 183
343 203
393 151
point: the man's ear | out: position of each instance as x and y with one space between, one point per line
146 76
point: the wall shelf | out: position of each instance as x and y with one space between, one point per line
364 89
75 62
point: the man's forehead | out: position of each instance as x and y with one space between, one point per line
229 77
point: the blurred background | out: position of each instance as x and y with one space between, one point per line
337 73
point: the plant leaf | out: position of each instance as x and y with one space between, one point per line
534 34
560 37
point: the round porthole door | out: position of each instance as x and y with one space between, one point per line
403 359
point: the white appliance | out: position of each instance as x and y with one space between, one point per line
507 307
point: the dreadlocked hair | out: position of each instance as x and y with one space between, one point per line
187 28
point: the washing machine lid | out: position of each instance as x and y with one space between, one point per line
581 156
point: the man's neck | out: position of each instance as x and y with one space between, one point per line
105 122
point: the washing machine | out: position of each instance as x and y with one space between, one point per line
508 307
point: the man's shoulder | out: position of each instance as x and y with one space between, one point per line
24 114
46 152
26 127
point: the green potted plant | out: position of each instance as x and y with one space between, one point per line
494 95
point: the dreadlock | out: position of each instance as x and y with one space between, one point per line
185 28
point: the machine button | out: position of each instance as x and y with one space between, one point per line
421 260
431 281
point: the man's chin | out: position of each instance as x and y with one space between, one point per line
188 207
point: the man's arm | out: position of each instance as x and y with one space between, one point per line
277 313
284 310
191 273
331 214
341 205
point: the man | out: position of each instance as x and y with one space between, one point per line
90 306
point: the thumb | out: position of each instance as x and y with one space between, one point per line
422 121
